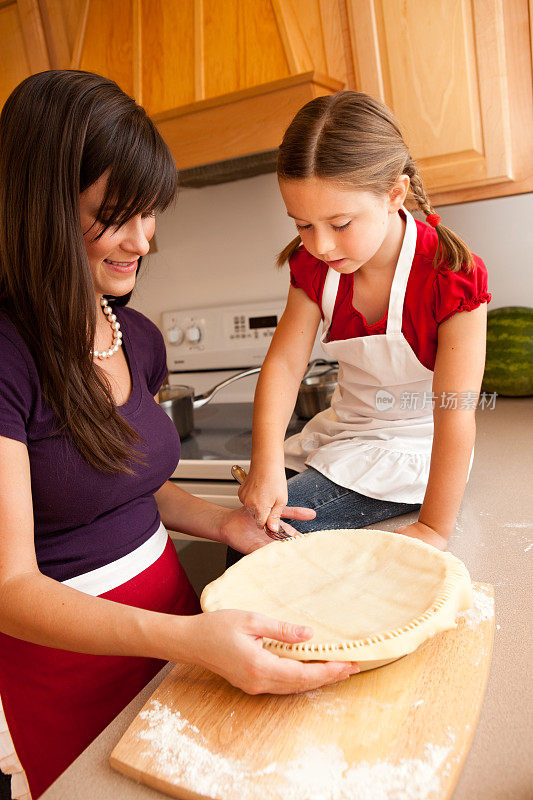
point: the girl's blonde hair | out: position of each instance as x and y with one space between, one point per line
355 141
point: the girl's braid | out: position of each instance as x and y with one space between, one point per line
451 251
417 188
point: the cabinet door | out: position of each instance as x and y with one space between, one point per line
109 43
22 44
441 66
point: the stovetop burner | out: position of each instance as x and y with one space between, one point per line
223 432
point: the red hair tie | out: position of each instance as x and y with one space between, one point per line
433 220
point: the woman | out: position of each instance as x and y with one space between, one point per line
92 595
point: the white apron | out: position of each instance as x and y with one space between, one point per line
377 436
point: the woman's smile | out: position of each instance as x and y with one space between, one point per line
121 266
114 276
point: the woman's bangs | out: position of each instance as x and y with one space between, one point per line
142 177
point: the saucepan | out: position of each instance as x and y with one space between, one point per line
316 388
314 395
179 402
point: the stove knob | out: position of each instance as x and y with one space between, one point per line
193 334
175 335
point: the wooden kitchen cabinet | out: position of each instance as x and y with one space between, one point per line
457 74
36 35
223 79
22 44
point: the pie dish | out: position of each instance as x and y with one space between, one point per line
370 596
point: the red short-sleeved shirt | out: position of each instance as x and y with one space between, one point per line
432 296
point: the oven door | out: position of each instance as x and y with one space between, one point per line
221 493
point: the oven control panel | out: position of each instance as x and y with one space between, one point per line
220 338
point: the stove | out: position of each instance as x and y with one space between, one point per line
205 346
222 436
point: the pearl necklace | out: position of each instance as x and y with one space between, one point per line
115 327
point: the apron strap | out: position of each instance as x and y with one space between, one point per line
329 295
401 275
399 283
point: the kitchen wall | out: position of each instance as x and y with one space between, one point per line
217 246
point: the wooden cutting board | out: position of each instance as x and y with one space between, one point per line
401 732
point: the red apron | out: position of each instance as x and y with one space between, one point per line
56 702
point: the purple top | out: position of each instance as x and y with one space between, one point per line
85 518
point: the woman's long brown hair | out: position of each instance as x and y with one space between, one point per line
355 141
59 132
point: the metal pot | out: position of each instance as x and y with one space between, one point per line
316 389
180 401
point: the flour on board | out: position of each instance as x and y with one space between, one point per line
182 755
481 611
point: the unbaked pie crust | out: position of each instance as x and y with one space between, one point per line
370 596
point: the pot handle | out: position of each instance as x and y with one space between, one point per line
201 399
319 362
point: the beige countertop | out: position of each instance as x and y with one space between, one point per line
494 537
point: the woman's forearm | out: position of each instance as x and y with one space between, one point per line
181 511
43 611
453 440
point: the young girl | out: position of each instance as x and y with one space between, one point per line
391 294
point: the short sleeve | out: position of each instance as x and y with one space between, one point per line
460 291
17 392
159 369
307 273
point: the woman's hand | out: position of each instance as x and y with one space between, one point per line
230 643
264 494
426 534
239 530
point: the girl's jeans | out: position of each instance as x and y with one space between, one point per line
335 506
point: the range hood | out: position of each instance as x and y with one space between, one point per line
231 169
237 135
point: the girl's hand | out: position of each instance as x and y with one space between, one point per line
230 643
426 534
264 494
239 530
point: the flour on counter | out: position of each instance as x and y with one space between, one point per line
517 525
482 610
520 527
317 773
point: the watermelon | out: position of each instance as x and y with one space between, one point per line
509 364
